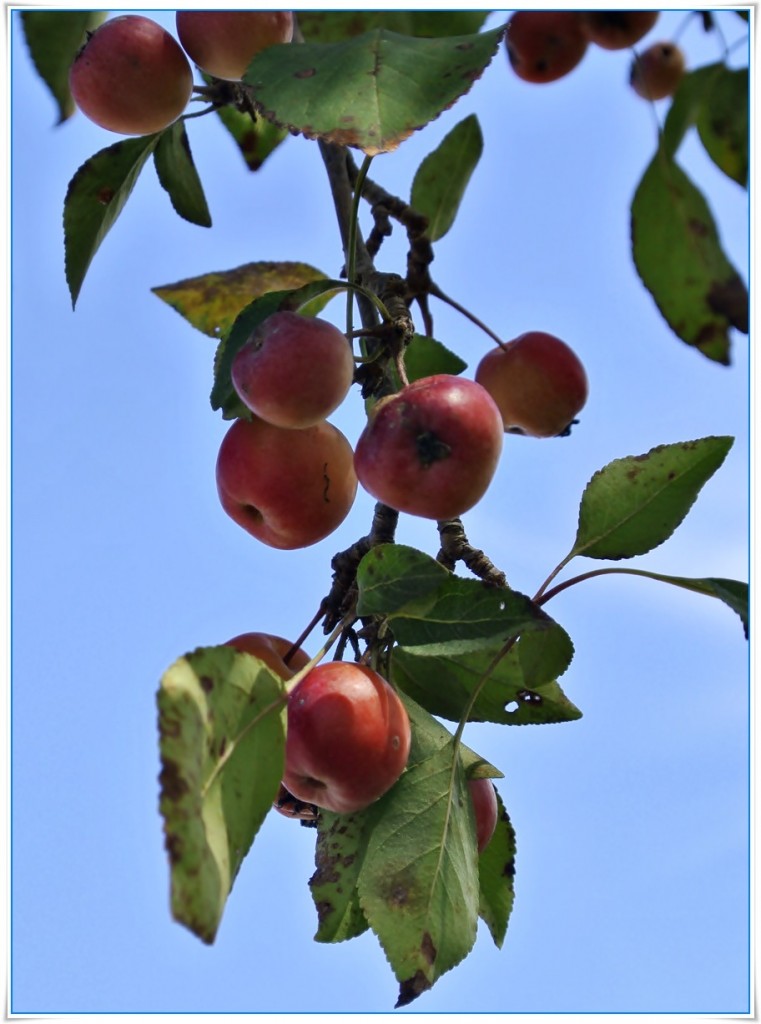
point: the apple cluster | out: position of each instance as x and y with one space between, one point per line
289 477
134 78
347 739
543 46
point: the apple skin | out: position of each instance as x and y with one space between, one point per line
657 71
485 808
543 46
538 383
271 650
294 371
288 488
616 30
223 43
131 77
432 448
348 737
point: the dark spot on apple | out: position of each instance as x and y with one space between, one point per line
431 448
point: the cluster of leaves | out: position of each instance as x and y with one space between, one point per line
456 649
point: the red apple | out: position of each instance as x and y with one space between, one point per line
615 30
131 77
485 808
543 46
289 488
656 73
538 383
272 651
294 371
432 448
348 737
223 43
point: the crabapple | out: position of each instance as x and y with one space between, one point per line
615 30
293 371
289 488
484 798
432 448
543 46
131 76
271 650
656 72
348 737
223 43
538 383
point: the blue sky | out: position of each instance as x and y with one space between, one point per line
632 823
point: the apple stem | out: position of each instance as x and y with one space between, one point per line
305 633
435 290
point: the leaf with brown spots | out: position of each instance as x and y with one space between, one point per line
678 255
211 302
371 91
634 504
418 885
341 843
496 875
222 742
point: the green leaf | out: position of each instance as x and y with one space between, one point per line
435 612
686 104
441 179
334 26
496 875
634 504
715 99
95 197
54 38
212 301
428 735
179 177
256 139
679 258
418 884
425 357
521 689
722 123
370 92
223 394
222 741
341 844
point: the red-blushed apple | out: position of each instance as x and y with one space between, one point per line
131 76
348 737
223 43
432 448
543 46
485 808
657 71
616 30
288 488
538 383
271 649
294 371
